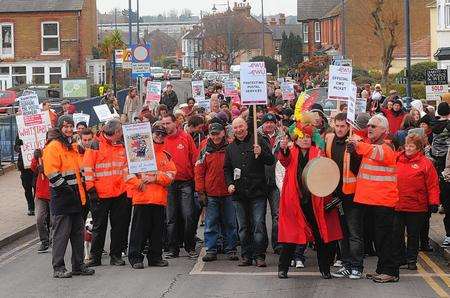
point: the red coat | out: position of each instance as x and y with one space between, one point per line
292 225
42 191
394 121
417 183
184 154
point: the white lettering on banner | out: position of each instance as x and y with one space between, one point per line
339 82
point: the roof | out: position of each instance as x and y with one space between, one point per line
40 5
287 29
194 33
314 9
419 49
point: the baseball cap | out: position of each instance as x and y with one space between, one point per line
169 84
64 101
215 128
269 117
158 128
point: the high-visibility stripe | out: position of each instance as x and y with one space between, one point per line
129 177
58 182
349 179
86 169
374 152
117 164
377 168
108 173
67 173
86 178
381 151
378 178
72 182
103 165
53 175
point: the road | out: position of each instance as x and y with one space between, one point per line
182 88
24 273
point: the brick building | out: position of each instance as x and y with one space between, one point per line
279 27
43 41
321 21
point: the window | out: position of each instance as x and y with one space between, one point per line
38 76
6 40
50 38
305 32
19 75
55 75
317 31
446 14
4 70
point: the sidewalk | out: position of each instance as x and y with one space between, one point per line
14 221
437 234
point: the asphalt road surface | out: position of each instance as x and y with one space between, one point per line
182 88
25 273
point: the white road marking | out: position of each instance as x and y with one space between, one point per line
18 251
198 267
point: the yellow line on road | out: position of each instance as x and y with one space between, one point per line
435 268
431 282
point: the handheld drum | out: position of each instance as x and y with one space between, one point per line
321 176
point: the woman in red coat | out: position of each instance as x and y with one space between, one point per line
302 217
418 189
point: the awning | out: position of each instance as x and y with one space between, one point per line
442 54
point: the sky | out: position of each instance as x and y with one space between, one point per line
148 7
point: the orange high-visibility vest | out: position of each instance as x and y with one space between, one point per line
348 178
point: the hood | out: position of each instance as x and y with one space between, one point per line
417 104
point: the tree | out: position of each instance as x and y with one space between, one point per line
291 49
271 64
133 15
111 42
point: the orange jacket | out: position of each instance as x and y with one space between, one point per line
153 193
62 169
83 182
376 183
104 167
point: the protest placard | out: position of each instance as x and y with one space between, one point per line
32 136
351 105
153 91
339 82
198 92
103 113
29 104
139 148
80 117
231 89
287 90
253 83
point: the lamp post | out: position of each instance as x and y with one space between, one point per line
408 51
130 28
230 51
137 21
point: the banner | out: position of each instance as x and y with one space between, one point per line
33 137
287 89
253 83
80 117
339 82
29 104
153 91
139 148
351 106
231 89
198 92
103 113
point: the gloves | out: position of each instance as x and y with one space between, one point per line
37 153
40 169
351 148
434 208
81 149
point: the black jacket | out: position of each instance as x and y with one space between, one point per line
239 155
169 99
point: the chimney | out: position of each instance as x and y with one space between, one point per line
242 8
272 22
282 19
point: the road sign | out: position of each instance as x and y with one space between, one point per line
126 59
118 57
436 77
141 59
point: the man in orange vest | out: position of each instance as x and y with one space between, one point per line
376 187
352 246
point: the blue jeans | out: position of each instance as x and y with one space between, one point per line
220 212
251 217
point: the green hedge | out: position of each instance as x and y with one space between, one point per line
418 70
418 90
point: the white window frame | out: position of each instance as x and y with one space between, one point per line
50 36
305 32
446 14
317 33
2 55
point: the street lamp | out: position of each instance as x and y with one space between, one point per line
262 28
214 10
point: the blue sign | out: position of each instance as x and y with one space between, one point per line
140 60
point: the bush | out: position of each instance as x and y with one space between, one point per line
418 71
418 90
361 80
358 72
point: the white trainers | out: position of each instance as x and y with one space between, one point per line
292 263
338 263
355 274
341 273
446 241
299 264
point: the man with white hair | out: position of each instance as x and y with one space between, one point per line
376 187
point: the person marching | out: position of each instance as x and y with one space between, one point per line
62 169
302 216
104 164
149 200
376 187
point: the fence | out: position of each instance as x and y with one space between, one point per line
8 126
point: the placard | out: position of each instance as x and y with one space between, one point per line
351 105
103 113
253 83
75 88
231 89
139 148
339 82
361 106
198 92
434 92
80 117
436 77
287 89
29 104
33 137
153 91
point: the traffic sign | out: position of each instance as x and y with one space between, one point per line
126 59
118 57
141 59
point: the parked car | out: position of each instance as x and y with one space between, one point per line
7 98
174 74
210 77
158 73
198 74
223 77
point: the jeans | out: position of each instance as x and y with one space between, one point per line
27 178
181 216
68 227
413 221
299 254
251 217
220 210
43 223
274 202
352 246
384 240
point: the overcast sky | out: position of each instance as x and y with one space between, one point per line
147 7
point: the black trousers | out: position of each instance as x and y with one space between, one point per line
413 221
147 224
27 178
116 210
384 240
424 231
65 228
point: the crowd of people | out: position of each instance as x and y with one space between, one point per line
213 167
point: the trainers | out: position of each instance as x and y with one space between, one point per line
299 264
245 262
282 274
384 278
446 241
84 270
356 274
372 275
138 266
232 256
159 263
94 262
412 266
30 213
43 248
341 273
62 274
209 257
338 263
292 263
192 254
117 261
171 255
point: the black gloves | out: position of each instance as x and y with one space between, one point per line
434 208
351 148
37 153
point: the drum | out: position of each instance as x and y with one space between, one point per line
321 176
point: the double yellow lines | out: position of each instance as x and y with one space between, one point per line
428 277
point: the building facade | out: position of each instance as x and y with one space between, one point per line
192 48
440 28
